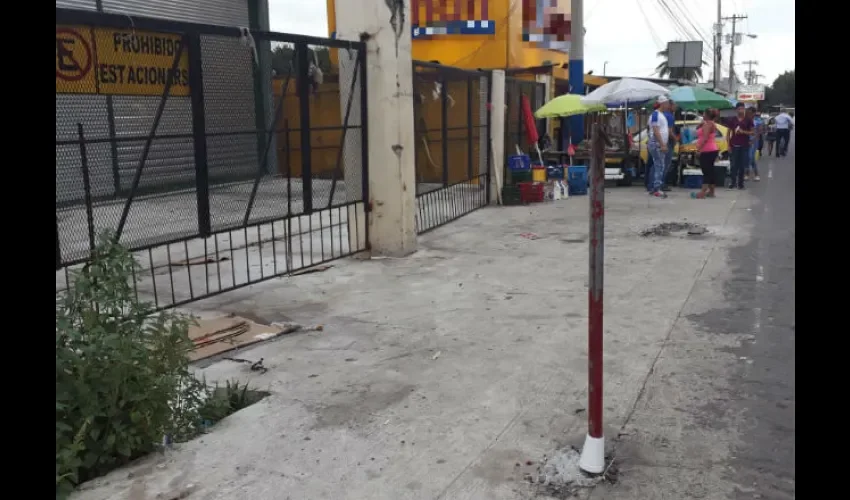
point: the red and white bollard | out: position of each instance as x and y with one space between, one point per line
593 453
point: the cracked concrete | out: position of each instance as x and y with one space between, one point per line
367 409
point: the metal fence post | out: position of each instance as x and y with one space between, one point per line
199 130
84 162
364 134
444 131
58 247
469 141
303 85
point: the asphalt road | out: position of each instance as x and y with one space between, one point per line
761 390
765 464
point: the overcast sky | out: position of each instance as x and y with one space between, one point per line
618 33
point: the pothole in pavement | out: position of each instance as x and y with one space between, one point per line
675 229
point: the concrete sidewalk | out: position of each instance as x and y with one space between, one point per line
451 373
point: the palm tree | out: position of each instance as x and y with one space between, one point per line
664 70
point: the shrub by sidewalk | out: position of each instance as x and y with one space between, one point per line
123 383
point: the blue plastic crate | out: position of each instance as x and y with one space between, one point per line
519 162
577 180
693 181
577 172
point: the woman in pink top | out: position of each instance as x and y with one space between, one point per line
707 147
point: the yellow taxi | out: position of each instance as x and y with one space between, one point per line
688 140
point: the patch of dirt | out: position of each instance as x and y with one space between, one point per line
559 477
670 228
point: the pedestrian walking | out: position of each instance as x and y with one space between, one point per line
657 145
708 151
770 137
756 139
783 133
647 173
738 137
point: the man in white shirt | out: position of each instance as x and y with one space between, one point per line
657 146
784 124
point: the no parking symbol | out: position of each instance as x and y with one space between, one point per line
74 60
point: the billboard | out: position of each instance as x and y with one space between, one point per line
750 93
682 55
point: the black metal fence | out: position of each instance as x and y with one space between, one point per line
222 157
452 130
515 129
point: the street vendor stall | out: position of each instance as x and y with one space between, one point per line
561 107
621 160
694 100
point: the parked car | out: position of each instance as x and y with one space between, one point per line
688 142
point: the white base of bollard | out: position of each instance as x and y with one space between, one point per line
593 455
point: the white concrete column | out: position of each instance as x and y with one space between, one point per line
497 134
384 25
546 80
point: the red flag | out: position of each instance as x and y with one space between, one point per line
528 117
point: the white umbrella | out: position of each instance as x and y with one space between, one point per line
623 91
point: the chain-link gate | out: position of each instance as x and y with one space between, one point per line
220 157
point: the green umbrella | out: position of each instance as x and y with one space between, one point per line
697 99
566 105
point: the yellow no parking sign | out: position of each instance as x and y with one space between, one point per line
119 62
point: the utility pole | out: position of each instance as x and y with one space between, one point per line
750 74
732 80
718 45
756 77
576 67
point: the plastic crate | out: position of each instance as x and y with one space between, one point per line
693 181
577 180
531 192
538 173
519 162
518 176
511 195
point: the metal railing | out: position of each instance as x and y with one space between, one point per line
452 130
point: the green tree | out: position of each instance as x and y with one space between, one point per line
782 91
665 71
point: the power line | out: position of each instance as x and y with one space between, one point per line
677 24
686 13
658 44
